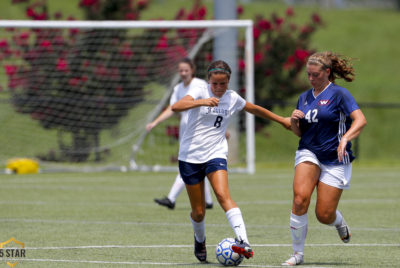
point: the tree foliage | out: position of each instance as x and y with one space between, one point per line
80 92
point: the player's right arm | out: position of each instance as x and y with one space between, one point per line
294 119
167 113
188 102
357 126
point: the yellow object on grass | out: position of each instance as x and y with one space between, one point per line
22 166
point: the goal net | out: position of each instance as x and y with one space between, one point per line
77 95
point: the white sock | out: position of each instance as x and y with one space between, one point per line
235 219
199 230
176 188
338 221
298 229
207 192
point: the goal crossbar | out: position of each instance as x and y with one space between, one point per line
126 24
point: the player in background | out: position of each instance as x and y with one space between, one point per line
326 119
186 70
203 150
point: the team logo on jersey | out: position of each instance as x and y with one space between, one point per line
216 111
323 102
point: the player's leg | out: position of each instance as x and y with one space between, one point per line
218 178
193 176
219 182
176 189
207 192
327 201
326 210
305 179
333 180
197 202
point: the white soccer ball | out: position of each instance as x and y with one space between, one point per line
225 254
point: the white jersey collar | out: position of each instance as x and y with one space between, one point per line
313 90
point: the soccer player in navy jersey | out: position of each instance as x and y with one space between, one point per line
203 151
326 119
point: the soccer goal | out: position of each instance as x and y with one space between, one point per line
77 95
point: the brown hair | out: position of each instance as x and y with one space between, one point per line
219 67
189 62
340 66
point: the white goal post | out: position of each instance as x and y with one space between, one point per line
99 69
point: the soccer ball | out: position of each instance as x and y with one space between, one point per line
225 254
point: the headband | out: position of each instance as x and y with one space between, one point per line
219 69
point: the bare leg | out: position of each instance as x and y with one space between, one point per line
219 182
305 179
327 201
197 202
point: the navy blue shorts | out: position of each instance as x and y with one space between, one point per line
195 173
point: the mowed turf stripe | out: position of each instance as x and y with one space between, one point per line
213 246
180 224
150 263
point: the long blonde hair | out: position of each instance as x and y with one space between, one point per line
341 67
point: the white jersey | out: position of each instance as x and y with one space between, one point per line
181 91
203 138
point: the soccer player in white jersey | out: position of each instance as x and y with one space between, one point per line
326 119
186 71
203 151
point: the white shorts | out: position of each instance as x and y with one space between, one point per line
338 176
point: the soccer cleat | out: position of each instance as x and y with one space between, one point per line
242 248
344 232
165 202
200 250
295 259
209 205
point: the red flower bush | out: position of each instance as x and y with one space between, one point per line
289 12
281 49
10 70
264 24
239 10
62 65
173 132
88 3
87 81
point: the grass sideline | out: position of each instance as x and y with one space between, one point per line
110 219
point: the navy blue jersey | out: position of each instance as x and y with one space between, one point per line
327 119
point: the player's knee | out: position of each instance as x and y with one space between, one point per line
300 202
325 217
198 214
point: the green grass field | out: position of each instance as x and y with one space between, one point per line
110 220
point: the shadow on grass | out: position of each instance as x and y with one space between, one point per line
339 264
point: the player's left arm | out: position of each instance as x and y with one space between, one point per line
188 102
264 113
357 126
